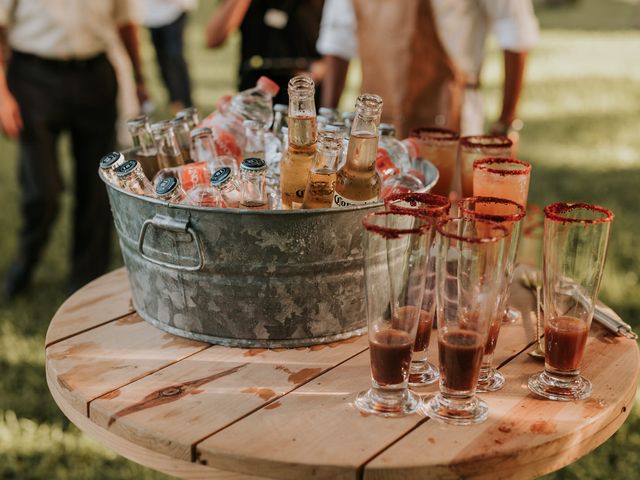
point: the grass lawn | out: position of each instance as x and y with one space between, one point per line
581 110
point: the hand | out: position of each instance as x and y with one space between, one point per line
10 118
142 93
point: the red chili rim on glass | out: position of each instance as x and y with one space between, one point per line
436 135
485 141
492 165
440 227
392 233
494 217
424 203
556 212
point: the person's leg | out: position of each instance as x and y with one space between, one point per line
34 88
92 136
169 45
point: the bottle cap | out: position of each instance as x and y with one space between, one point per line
387 129
166 186
126 168
281 108
253 165
196 132
221 176
110 159
268 85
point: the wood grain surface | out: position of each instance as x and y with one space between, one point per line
198 411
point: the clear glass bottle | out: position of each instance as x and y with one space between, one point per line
169 190
279 120
108 165
358 183
344 131
226 187
169 154
253 185
131 178
190 114
347 118
146 151
322 175
254 139
182 131
296 162
392 154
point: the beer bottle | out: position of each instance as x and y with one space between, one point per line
226 187
279 120
108 165
190 115
170 190
296 162
131 178
358 183
169 154
322 176
182 131
253 185
145 150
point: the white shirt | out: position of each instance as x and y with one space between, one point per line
463 26
63 29
158 13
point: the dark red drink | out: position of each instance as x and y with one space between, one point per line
460 353
564 342
390 356
403 320
492 338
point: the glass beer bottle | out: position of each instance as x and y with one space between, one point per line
146 152
296 162
109 163
358 182
253 184
131 178
169 154
322 176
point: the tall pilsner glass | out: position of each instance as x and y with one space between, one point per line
395 265
468 270
503 178
475 147
575 247
440 147
435 207
508 214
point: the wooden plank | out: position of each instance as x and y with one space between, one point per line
136 453
315 431
522 428
101 301
180 405
110 356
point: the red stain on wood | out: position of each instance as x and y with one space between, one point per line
264 393
129 320
171 393
545 428
431 440
73 351
254 352
273 405
300 376
504 429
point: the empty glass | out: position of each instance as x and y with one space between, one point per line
468 283
508 214
434 206
395 260
575 247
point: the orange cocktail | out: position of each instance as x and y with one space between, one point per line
502 178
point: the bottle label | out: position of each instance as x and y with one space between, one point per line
339 201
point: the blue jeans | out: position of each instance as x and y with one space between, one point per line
168 43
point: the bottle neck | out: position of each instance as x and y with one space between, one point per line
253 189
168 144
143 139
203 148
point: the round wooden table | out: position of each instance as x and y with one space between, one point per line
200 411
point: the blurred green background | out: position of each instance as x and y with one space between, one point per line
581 110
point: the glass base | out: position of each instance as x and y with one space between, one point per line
386 404
424 374
456 411
492 382
511 315
556 388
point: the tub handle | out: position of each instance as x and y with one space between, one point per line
173 225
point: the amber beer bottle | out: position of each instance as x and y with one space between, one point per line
357 182
296 162
322 175
145 152
169 154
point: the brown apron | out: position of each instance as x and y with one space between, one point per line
405 63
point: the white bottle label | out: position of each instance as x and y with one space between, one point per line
339 201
